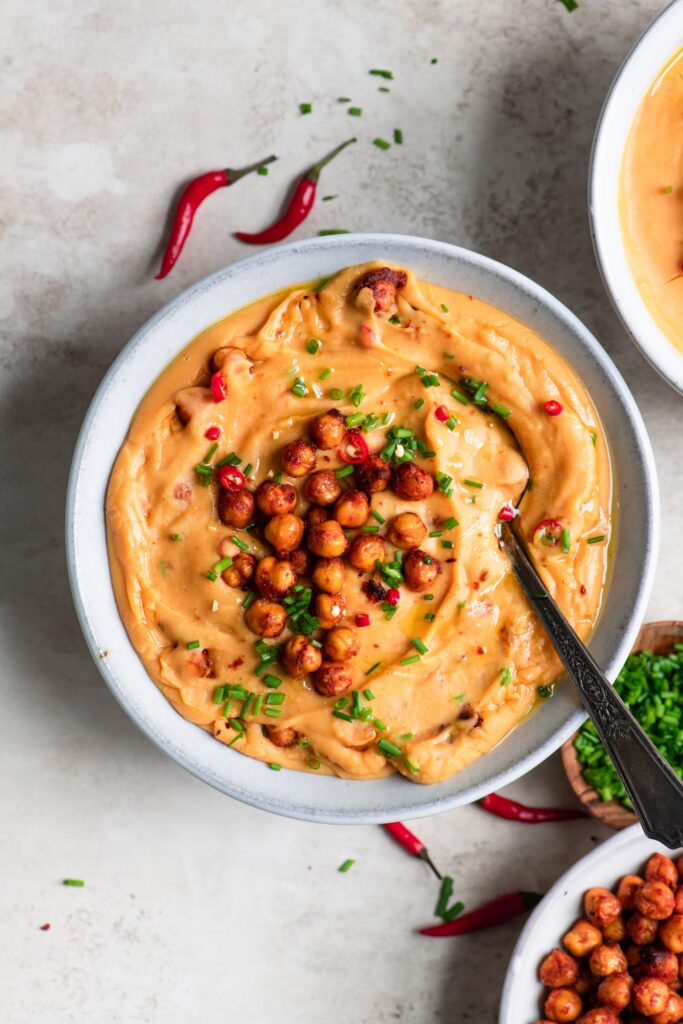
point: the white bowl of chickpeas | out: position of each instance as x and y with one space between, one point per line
605 945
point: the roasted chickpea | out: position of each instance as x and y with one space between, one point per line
661 869
601 906
298 458
411 483
420 570
626 890
301 657
241 570
649 996
365 551
558 970
585 982
615 991
281 737
316 514
672 1012
327 539
407 531
333 678
659 963
300 560
633 954
328 575
274 499
654 900
285 532
341 644
608 958
322 487
265 618
582 938
615 931
600 1015
327 431
373 474
563 1004
235 508
274 578
352 509
671 933
330 609
641 930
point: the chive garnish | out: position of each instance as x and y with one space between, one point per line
395 320
211 575
448 544
343 471
313 763
411 660
459 396
232 459
389 748
398 136
176 536
272 681
76 883
275 698
427 597
381 143
324 374
444 307
500 410
596 540
355 111
299 388
313 345
370 529
342 715
343 868
381 73
211 452
418 645
224 563
419 403
473 483
368 694
370 670
376 515
337 394
412 768
357 395
274 767
240 543
430 616
258 704
333 231
505 677
247 704
271 712
565 540
193 645
305 108
450 523
248 600
445 894
436 533
218 694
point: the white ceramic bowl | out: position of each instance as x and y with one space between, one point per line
623 854
304 795
650 54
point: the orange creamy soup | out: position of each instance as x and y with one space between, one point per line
651 200
308 566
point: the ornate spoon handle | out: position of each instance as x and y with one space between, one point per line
654 788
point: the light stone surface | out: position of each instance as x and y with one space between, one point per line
198 909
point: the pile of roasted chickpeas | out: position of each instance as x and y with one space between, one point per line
316 545
624 958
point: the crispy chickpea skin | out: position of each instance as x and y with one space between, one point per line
241 570
615 931
235 508
671 933
274 577
600 1015
298 458
301 657
373 474
328 575
352 509
265 618
411 483
659 963
582 938
649 996
558 970
641 930
274 499
672 1012
608 958
330 609
420 570
626 890
301 561
281 737
654 900
341 644
406 531
333 678
327 539
601 906
563 1004
327 431
615 991
365 551
317 514
661 869
322 487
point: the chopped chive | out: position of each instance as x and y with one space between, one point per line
333 231
596 540
342 715
451 423
343 868
444 307
500 410
272 712
473 483
412 768
193 645
430 616
275 698
544 691
313 763
398 136
406 736
395 320
419 403
274 766
247 469
383 88
448 544
343 471
258 704
372 668
505 677
565 540
247 704
211 452
594 438
76 883
176 536
355 111
389 748
240 543
237 725
218 694
277 477
303 742
324 374
427 597
355 419
340 704
381 143
305 108
368 694
337 394
224 563
357 395
344 99
312 346
249 600
211 575
450 523
262 170
376 515
299 388
232 459
327 199
418 645
668 189
411 660
370 529
436 533
202 470
381 73
459 396
272 681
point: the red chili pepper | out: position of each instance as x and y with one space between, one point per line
506 514
219 388
192 197
298 207
410 842
441 413
393 596
553 408
362 619
213 433
550 530
488 915
354 449
45 927
513 811
231 478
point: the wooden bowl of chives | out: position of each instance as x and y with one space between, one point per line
657 638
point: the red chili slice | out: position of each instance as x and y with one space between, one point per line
393 596
506 514
362 619
231 478
553 408
213 433
218 387
441 413
550 531
354 450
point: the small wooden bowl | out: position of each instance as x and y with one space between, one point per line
659 638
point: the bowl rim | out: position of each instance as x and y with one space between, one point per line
603 193
347 246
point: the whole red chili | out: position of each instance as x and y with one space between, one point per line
355 449
298 207
231 478
488 915
550 531
410 842
553 408
219 388
193 195
513 811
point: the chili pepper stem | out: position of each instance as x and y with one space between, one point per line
234 174
423 855
315 170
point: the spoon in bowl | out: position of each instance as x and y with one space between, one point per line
655 790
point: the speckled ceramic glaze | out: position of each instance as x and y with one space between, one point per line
295 794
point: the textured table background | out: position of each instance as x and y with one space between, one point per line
198 909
